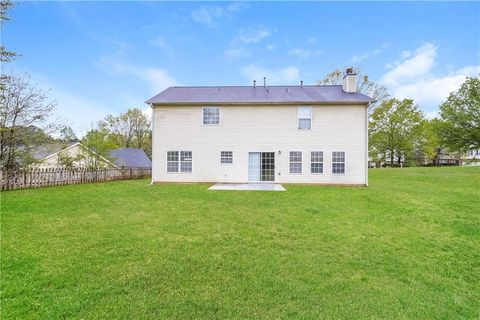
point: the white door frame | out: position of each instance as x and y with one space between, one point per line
259 174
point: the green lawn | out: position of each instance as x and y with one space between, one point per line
407 247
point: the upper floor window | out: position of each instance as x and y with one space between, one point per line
304 118
226 157
295 162
211 115
316 162
338 162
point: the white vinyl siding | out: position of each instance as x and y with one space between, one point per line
338 162
211 115
226 157
316 162
260 128
304 118
295 162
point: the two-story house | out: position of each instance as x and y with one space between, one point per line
239 134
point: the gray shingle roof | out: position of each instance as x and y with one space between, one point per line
257 95
130 158
40 152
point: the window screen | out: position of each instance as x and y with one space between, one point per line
295 162
172 161
179 161
304 118
226 157
185 161
316 162
211 115
338 162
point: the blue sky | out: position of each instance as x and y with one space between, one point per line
104 57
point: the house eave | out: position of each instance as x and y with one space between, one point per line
257 103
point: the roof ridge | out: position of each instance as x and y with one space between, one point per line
259 86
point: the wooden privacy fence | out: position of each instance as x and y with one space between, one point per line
38 178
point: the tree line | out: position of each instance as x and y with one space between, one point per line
26 121
400 133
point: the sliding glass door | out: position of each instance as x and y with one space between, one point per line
261 166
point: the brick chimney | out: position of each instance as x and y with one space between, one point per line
350 80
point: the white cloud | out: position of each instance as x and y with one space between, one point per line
157 78
304 53
239 46
403 55
271 47
236 52
312 40
237 6
287 75
159 42
430 91
412 76
369 54
414 65
77 111
253 35
212 15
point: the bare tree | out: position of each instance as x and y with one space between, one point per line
5 55
23 108
378 92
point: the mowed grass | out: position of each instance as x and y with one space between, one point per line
407 247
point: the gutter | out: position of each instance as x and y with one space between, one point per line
247 104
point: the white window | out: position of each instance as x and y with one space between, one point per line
185 161
211 115
316 162
172 161
179 161
304 118
226 157
338 162
295 162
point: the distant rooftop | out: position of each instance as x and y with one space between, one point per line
257 95
40 152
130 158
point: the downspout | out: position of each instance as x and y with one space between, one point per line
153 136
366 145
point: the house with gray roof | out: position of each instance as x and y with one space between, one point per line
130 158
55 155
261 134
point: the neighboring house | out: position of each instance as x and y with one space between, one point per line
52 155
446 158
472 158
130 158
285 134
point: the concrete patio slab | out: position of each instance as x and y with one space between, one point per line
248 187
